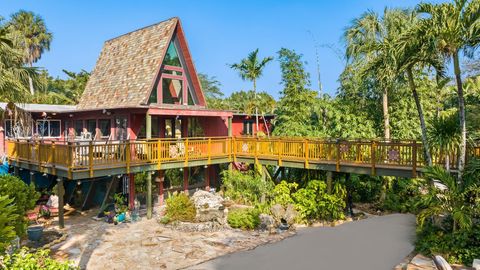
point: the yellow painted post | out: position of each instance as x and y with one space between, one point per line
159 146
90 158
256 150
337 167
279 150
373 156
209 151
69 159
414 159
186 152
305 147
53 159
127 157
234 149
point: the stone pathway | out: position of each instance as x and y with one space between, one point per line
376 243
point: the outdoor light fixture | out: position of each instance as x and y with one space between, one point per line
54 113
206 166
153 173
79 183
119 176
70 115
21 169
181 169
109 175
32 173
44 174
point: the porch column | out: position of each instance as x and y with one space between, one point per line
32 179
329 182
149 195
348 184
185 180
148 126
229 126
131 191
207 177
185 127
161 179
60 194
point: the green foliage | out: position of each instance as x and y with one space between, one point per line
458 247
24 197
365 188
313 202
282 193
62 91
212 92
243 218
7 222
120 203
180 208
245 187
38 260
405 195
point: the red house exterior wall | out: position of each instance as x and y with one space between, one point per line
238 124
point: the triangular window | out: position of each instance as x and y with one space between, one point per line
171 57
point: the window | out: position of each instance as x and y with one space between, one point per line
91 126
171 57
195 129
9 128
105 127
49 128
248 127
78 127
172 91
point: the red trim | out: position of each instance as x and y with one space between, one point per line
174 68
174 77
187 112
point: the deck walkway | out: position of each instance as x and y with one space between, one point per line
81 160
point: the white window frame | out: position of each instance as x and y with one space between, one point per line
49 132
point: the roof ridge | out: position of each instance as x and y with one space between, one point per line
148 26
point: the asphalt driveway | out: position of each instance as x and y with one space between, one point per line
376 243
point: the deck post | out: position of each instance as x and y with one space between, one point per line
414 159
229 126
149 195
60 194
185 180
329 182
131 191
32 178
148 126
348 184
207 177
161 180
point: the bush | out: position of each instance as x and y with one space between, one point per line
458 247
404 195
365 188
37 260
245 187
313 202
244 218
282 193
24 197
180 208
7 222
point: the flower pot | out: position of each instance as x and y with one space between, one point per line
34 233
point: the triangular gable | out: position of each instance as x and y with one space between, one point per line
176 81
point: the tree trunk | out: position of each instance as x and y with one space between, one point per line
30 83
386 117
461 112
423 127
256 108
447 162
266 126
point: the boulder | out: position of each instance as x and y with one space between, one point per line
421 262
441 263
267 223
278 213
290 214
209 207
476 264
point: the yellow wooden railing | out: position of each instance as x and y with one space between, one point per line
90 156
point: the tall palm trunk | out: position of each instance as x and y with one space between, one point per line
30 83
386 117
256 108
423 127
461 112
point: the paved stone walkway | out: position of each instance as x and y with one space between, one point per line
376 243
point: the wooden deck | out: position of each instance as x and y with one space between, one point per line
81 160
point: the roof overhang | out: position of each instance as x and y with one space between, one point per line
189 112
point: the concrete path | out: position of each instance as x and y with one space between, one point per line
376 243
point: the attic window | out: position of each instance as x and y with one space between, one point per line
171 57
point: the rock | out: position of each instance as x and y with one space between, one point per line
476 264
441 263
209 207
290 214
421 262
278 213
267 222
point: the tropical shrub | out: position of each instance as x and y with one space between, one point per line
282 193
365 188
245 187
38 260
179 208
7 222
404 195
24 197
461 246
313 202
244 218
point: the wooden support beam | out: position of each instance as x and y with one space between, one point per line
149 195
207 177
148 126
185 180
131 191
348 185
329 181
161 180
229 126
89 194
60 194
32 179
110 186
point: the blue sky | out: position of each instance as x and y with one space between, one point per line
218 32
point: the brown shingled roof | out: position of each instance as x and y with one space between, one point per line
127 67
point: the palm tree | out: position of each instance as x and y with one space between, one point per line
370 42
415 49
251 68
31 34
456 28
444 136
13 75
448 197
